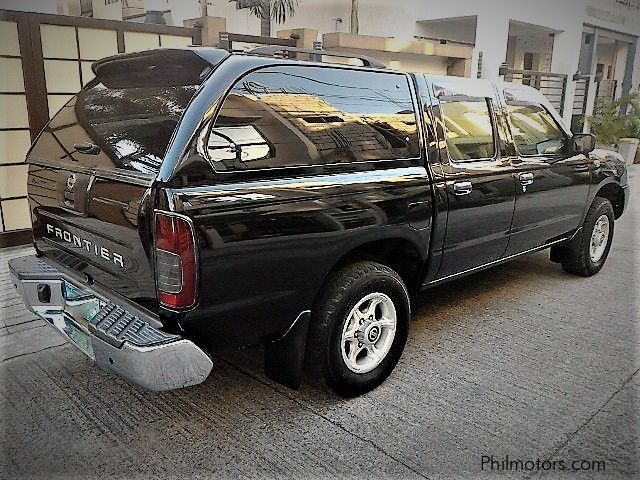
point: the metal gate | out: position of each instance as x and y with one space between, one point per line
580 101
605 93
552 85
45 59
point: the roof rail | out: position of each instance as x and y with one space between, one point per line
314 55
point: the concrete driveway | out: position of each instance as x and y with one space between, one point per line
521 360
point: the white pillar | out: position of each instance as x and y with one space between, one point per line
492 35
566 59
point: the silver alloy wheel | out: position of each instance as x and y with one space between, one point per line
599 238
368 333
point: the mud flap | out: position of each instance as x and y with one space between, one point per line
556 254
284 357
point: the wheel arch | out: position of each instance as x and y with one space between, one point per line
399 253
615 194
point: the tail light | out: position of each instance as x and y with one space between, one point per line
176 267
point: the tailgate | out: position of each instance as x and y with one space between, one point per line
95 226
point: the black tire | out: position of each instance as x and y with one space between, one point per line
343 290
575 255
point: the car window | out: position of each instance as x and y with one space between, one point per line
297 115
534 130
469 129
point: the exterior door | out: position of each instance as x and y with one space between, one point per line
480 186
551 186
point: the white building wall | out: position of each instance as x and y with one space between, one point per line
111 11
321 16
39 6
238 20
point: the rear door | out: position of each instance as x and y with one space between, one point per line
92 168
480 187
552 186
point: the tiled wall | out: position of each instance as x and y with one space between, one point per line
14 133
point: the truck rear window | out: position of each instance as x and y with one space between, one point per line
129 110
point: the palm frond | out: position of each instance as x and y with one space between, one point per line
277 10
283 9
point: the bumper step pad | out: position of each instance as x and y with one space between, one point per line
116 325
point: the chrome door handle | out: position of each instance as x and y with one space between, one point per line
462 188
526 178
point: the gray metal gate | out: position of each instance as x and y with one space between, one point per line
580 100
605 93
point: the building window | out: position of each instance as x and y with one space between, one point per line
295 116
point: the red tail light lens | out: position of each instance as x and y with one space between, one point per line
176 267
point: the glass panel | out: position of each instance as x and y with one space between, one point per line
136 41
175 41
469 130
13 181
13 111
58 41
14 145
534 130
12 79
130 113
56 102
285 116
9 38
96 44
62 76
87 73
16 214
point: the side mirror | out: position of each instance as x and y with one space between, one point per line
582 143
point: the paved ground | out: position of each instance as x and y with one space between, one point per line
522 360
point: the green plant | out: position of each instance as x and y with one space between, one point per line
616 120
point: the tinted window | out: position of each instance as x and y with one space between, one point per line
296 115
534 130
130 111
469 129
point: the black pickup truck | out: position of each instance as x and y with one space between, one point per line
191 200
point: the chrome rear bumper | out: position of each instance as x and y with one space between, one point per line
119 337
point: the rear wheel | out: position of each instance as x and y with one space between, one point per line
585 254
359 328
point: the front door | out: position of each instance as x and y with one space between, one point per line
552 186
480 188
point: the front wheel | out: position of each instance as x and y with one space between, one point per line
359 328
588 251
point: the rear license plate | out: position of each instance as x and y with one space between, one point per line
74 333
